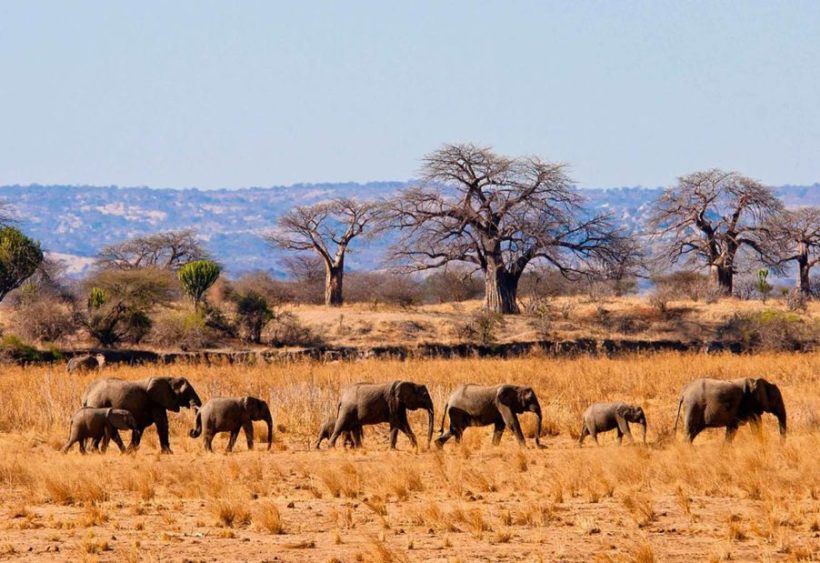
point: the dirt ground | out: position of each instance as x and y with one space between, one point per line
469 503
756 499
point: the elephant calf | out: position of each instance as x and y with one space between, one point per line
232 415
603 417
98 424
351 438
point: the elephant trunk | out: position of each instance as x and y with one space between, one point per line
781 417
197 430
537 411
269 421
430 424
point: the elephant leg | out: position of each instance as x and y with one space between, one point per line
583 434
620 436
594 433
82 446
208 439
498 431
95 444
394 435
116 439
136 437
248 428
623 429
404 426
511 420
161 420
68 445
343 422
232 440
730 433
357 435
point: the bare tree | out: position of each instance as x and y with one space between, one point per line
327 229
709 216
798 234
499 214
168 250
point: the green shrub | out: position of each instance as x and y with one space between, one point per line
770 330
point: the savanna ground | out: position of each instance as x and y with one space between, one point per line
557 318
757 499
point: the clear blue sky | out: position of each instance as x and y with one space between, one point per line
231 94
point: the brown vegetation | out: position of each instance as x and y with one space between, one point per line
757 498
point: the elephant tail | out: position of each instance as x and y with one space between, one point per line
197 430
443 417
677 416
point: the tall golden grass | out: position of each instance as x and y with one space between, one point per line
756 497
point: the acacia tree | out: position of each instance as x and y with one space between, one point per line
499 214
798 234
709 216
169 250
326 229
197 277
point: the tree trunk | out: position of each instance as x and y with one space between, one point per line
333 286
804 271
722 277
500 291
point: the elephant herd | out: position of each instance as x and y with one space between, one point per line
110 405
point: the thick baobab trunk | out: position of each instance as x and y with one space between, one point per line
500 291
333 286
804 270
722 277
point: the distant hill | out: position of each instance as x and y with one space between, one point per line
74 222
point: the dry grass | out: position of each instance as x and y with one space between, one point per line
755 499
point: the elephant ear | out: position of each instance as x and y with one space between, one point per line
160 391
250 405
508 395
394 396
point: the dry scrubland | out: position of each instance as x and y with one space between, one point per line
555 318
756 499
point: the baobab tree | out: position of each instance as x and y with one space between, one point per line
709 216
167 250
327 229
499 214
798 235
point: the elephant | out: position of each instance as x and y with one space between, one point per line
603 417
351 438
147 399
86 362
715 403
474 405
98 424
375 403
232 415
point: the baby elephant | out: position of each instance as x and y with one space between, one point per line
603 417
98 424
232 415
350 437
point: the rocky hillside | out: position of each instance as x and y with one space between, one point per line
74 222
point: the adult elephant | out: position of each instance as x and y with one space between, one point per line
375 403
147 399
715 403
499 405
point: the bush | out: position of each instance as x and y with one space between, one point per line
383 287
684 285
286 330
14 349
448 287
482 327
185 330
44 320
796 300
769 330
540 310
253 314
